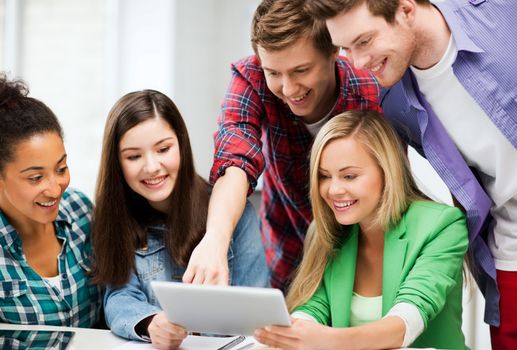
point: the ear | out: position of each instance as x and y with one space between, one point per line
406 11
336 54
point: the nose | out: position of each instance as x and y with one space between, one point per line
359 60
336 187
288 86
152 165
53 189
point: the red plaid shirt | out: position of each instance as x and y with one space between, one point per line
259 133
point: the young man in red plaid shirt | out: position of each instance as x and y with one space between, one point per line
276 102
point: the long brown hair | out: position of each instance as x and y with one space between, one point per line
120 214
324 233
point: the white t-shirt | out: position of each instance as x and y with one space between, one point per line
482 145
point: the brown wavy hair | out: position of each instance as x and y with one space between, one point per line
120 214
277 24
325 9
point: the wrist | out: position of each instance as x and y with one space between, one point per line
142 327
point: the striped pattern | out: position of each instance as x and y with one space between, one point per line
259 133
484 34
25 298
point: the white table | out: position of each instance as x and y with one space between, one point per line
100 339
84 338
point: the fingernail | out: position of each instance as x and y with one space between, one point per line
268 328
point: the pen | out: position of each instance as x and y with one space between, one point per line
233 343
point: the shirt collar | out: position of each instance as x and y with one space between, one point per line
8 234
462 40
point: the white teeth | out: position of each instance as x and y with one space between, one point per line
377 67
154 181
47 204
298 99
344 204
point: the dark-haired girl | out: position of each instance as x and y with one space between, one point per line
151 211
44 227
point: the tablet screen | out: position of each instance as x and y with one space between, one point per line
34 339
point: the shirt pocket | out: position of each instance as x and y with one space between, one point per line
17 303
149 263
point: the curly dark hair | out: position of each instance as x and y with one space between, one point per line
21 117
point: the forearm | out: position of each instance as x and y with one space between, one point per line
227 204
386 333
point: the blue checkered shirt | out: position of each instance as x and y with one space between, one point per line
27 298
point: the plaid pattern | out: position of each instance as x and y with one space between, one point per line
259 133
26 298
34 340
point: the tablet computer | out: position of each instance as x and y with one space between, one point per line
34 339
224 310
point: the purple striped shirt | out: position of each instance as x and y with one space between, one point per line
486 66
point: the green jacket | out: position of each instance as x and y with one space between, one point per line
422 265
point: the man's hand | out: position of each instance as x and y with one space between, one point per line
208 263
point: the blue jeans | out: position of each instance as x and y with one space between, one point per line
125 306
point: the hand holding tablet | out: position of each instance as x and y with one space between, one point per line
221 309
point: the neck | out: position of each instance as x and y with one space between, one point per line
371 236
329 103
432 37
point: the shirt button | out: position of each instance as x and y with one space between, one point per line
64 276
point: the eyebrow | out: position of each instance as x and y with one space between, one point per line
303 65
38 168
137 148
342 169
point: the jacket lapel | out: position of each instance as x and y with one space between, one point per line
394 255
342 279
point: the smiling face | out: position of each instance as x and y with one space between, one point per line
350 181
302 77
150 160
371 43
32 184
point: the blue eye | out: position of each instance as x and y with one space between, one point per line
349 177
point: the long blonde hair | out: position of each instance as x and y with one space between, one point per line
382 143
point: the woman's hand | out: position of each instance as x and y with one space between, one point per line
301 335
164 334
208 262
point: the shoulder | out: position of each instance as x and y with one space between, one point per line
249 68
75 204
428 219
351 75
432 210
75 211
356 84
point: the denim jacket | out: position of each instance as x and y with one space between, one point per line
126 306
